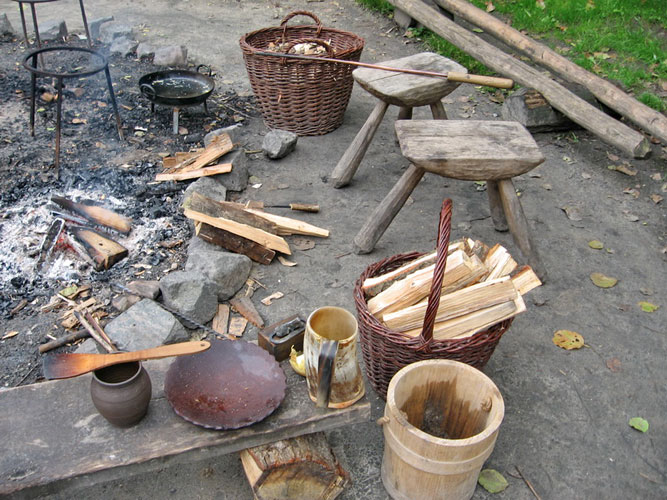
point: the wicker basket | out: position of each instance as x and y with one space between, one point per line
305 97
386 351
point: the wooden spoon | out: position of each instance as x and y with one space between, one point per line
71 365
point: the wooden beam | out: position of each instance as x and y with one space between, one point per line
575 108
103 251
235 243
648 119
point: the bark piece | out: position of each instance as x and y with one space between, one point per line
245 307
221 319
235 243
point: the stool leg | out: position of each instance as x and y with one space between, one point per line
59 107
33 95
519 226
119 125
379 221
349 162
438 111
85 24
34 23
496 207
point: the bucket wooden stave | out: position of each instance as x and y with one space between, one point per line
440 425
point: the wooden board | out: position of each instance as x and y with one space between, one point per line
469 150
235 243
52 432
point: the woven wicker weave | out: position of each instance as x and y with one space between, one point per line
305 97
386 351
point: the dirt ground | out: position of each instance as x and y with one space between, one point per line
566 417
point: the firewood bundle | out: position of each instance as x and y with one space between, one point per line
481 286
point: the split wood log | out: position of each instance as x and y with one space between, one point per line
237 326
288 226
96 214
460 270
499 262
221 319
469 324
575 108
228 210
303 467
459 303
220 145
103 251
525 280
170 162
648 119
221 168
235 243
94 333
245 307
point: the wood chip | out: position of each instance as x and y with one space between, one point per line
286 262
267 300
237 326
9 335
221 319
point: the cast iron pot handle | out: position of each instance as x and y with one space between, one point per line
325 368
206 66
148 91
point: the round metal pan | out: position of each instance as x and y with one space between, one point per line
233 384
177 87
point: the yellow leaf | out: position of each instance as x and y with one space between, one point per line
9 335
568 340
490 7
602 281
596 245
298 361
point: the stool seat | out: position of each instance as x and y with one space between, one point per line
405 90
469 150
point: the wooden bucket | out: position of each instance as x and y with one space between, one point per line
440 423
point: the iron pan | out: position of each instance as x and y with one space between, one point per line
176 87
233 384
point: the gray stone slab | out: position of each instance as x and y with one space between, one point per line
5 26
173 55
229 271
110 31
95 25
279 143
234 132
237 179
210 186
123 46
191 293
145 49
53 30
145 325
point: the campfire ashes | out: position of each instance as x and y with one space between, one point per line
95 166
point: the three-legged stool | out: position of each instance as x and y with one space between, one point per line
493 151
400 89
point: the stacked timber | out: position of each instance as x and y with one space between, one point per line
481 286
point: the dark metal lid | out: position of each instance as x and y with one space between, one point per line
232 384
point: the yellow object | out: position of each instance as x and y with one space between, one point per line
298 361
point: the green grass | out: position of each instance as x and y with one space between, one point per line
622 40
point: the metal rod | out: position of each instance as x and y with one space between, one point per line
119 125
33 92
491 81
59 107
85 24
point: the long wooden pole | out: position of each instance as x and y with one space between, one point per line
645 117
489 81
566 102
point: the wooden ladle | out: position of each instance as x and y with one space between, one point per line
66 365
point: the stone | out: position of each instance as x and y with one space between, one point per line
145 325
95 25
145 288
237 179
208 186
110 31
234 132
5 26
191 293
53 30
279 143
403 19
89 346
145 49
123 46
529 108
229 271
122 303
173 55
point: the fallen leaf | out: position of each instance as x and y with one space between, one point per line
612 157
656 198
490 7
586 176
540 4
624 169
638 423
614 364
648 307
571 212
630 217
69 292
568 340
9 335
286 262
267 300
602 281
569 160
596 245
590 4
478 30
492 481
182 131
657 177
548 187
646 291
302 243
78 121
632 192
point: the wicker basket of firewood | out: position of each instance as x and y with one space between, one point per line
304 97
468 309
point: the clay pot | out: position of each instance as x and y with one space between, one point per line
121 393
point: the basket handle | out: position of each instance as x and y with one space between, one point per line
327 46
289 16
444 231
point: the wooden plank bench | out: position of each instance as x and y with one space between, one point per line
52 433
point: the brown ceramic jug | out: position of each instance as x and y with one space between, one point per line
121 393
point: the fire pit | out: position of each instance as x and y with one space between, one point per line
97 62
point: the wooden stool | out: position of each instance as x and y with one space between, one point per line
493 151
400 89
